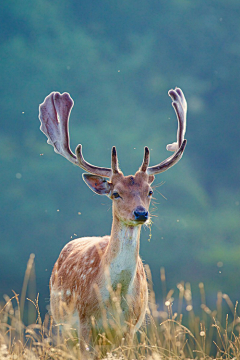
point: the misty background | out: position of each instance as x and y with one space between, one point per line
118 59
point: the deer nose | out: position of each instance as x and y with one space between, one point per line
140 213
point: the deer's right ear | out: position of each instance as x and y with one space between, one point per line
98 184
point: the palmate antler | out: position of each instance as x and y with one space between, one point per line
180 106
54 115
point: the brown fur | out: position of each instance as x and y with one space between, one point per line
80 275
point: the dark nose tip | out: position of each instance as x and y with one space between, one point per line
140 213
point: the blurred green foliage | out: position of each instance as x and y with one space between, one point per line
118 59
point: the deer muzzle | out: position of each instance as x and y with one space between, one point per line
140 214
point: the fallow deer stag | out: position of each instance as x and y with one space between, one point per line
88 267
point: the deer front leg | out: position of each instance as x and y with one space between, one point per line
84 339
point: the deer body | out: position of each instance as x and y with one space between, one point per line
87 267
91 270
87 274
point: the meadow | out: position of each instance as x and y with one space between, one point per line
172 330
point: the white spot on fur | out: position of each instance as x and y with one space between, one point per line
68 292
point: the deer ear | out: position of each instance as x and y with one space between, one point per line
151 179
98 184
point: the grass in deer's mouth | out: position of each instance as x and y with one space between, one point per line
166 334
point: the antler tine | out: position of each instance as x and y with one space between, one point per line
115 168
54 115
105 172
92 169
180 106
146 160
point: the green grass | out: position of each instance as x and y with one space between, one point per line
166 334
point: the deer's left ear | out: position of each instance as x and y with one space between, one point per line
151 179
98 184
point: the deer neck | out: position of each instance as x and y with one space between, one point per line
122 253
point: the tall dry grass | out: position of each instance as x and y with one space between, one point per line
166 334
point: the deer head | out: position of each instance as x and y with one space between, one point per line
131 195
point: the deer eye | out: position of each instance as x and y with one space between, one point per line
150 193
115 195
